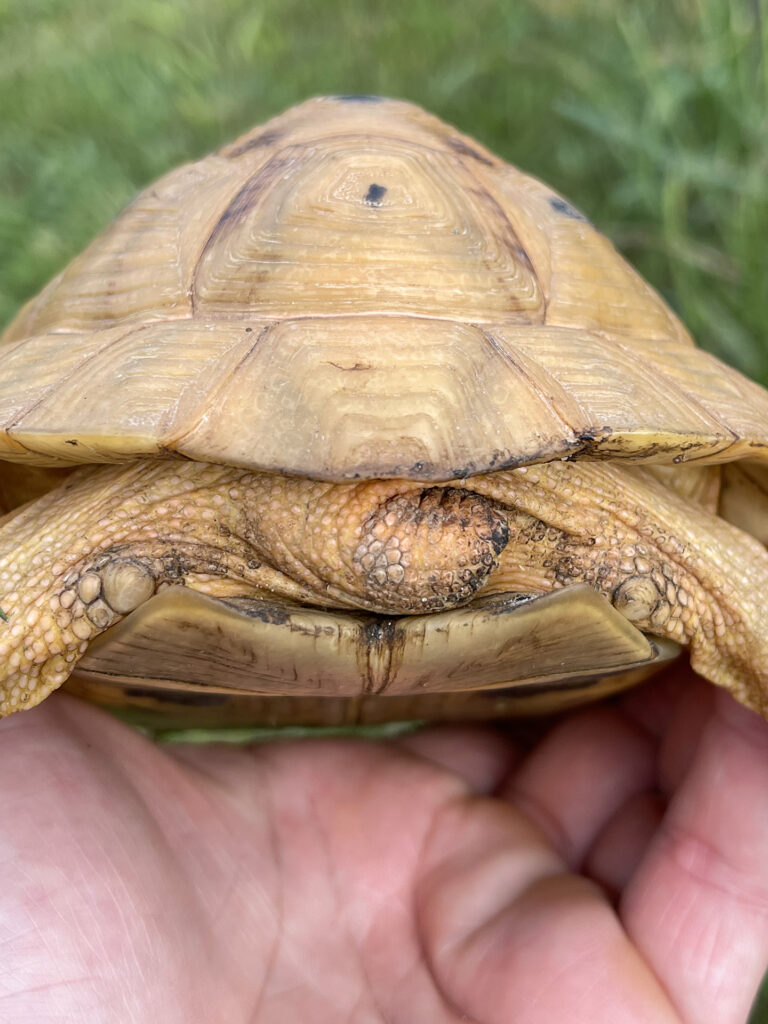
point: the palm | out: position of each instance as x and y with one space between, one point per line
338 880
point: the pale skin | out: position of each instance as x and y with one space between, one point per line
615 871
79 558
612 871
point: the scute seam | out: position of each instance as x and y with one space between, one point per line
174 444
690 399
52 388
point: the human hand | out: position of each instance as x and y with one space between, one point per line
615 872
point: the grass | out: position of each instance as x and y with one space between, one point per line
650 117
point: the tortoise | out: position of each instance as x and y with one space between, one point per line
352 420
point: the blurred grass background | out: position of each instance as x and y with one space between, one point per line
650 117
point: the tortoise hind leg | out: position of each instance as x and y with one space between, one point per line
81 556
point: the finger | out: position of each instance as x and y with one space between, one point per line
500 918
687 722
674 710
648 705
698 904
481 756
620 846
581 773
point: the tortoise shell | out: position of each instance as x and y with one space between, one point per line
357 291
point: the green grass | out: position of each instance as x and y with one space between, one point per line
651 117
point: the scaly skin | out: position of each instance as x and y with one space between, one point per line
670 565
76 560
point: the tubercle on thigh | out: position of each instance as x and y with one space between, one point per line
671 566
82 556
612 528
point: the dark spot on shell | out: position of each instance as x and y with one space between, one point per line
246 198
355 366
378 631
502 604
523 256
375 194
561 206
378 640
534 689
73 443
589 435
270 612
264 139
162 696
460 146
589 442
166 449
417 470
359 98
